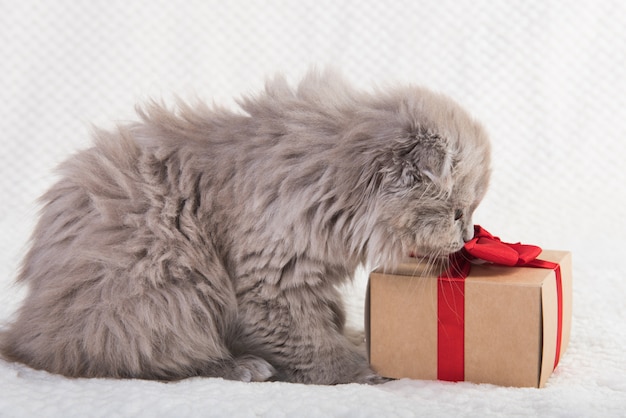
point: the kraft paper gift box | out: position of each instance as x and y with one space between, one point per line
514 325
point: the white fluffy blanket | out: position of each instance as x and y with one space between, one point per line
545 77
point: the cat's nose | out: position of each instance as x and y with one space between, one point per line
468 233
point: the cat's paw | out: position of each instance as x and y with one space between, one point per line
373 379
252 369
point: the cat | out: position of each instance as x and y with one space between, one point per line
201 241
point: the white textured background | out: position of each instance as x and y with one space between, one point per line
545 77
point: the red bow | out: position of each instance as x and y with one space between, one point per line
485 246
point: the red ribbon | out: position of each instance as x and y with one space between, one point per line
451 295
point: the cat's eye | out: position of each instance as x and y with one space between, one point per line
458 214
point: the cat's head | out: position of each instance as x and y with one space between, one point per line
432 172
409 166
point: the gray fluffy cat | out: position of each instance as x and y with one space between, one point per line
202 242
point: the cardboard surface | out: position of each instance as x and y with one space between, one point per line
510 322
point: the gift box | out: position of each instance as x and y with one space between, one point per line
502 324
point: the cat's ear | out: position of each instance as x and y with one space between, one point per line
420 157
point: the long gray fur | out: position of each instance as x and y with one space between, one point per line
204 242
